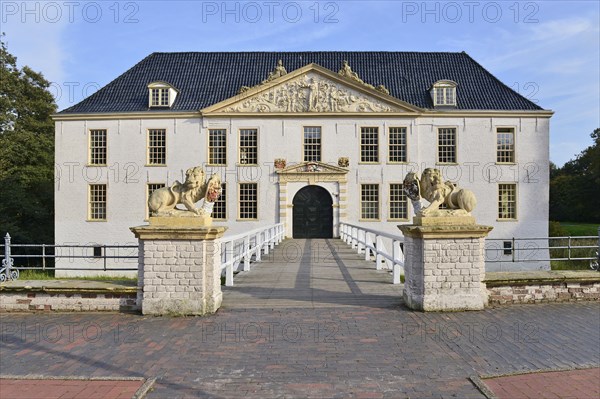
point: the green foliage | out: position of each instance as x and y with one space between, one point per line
26 153
575 187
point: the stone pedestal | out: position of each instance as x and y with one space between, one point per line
179 270
444 265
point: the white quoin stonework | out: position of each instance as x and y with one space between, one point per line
445 267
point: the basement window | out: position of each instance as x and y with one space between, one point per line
508 249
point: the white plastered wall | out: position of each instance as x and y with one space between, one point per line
127 174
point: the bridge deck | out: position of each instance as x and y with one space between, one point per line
311 273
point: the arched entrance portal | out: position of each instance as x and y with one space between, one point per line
312 213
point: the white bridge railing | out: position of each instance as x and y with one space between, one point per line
372 243
239 249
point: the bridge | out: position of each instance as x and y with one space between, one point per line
311 273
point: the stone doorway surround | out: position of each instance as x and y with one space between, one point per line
329 176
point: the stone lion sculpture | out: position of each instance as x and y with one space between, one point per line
164 201
432 187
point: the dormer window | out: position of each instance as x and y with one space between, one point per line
443 93
161 94
160 98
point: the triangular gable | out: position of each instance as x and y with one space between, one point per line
308 90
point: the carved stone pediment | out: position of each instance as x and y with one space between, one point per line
312 172
311 89
311 92
313 168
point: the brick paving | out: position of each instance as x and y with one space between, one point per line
558 384
67 389
302 339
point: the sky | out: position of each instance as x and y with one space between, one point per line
549 51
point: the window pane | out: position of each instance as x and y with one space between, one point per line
249 146
398 202
505 145
97 209
439 92
159 97
220 207
312 144
507 201
447 145
164 97
369 144
157 150
397 144
248 201
369 204
97 147
150 188
217 146
449 95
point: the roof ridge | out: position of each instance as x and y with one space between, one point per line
309 51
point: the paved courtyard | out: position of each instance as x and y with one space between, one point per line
307 325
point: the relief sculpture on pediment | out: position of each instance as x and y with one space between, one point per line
310 93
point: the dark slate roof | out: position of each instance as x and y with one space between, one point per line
204 79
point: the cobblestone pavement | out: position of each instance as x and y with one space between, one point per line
371 348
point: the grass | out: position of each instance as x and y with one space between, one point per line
49 275
574 253
36 275
574 230
580 229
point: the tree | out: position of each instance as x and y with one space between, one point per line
26 152
576 186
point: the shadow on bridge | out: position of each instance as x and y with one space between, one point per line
312 273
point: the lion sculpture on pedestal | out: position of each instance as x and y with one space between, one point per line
458 201
164 201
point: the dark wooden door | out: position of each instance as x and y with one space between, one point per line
313 213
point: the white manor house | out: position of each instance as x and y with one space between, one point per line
310 139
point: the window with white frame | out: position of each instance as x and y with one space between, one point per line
217 146
248 200
507 201
97 202
505 145
397 144
248 147
398 202
157 147
369 144
369 201
446 145
312 144
97 147
150 188
159 97
220 208
161 94
443 93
